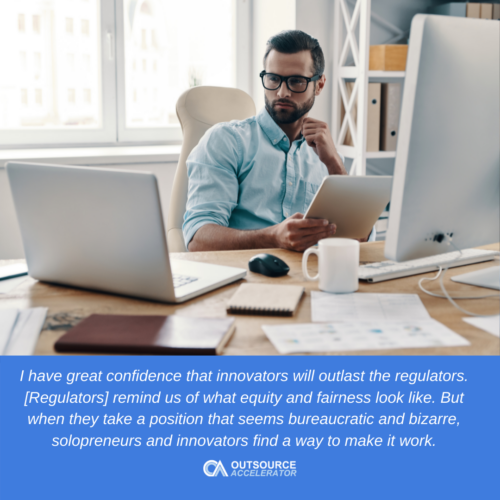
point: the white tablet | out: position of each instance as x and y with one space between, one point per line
352 203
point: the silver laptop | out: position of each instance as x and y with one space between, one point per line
103 230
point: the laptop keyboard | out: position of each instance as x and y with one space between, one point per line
180 280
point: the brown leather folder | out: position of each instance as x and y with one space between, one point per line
147 335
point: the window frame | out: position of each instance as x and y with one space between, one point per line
98 136
113 132
163 135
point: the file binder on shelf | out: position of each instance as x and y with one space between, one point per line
390 109
373 120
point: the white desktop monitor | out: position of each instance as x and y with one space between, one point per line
447 169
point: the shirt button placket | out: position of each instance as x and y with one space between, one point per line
287 208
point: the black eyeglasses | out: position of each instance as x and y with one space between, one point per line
295 83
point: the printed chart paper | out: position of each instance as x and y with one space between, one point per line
8 318
330 307
361 335
490 324
7 286
19 330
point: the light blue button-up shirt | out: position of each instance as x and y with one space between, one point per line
246 175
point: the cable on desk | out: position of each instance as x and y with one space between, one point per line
446 295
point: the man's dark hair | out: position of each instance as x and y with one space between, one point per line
293 41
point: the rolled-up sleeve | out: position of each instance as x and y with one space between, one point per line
213 186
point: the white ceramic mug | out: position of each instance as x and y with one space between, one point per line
338 262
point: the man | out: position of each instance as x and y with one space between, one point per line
251 181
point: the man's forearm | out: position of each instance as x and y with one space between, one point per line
335 166
214 237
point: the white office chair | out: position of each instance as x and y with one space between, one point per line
198 109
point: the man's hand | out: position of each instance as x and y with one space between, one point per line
297 233
364 240
294 233
318 136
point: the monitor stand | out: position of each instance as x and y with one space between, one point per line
488 278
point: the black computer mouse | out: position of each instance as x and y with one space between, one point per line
268 265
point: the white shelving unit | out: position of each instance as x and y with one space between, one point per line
352 33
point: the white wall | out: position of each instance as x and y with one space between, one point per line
315 17
269 18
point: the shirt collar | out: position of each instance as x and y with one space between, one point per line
274 132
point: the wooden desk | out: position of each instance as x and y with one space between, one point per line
67 305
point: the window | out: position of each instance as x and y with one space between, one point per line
101 71
86 63
48 77
37 65
20 23
22 62
175 50
70 62
36 24
85 27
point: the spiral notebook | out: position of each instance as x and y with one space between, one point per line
269 300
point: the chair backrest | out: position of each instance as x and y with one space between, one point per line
198 109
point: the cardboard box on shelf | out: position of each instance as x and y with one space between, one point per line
388 57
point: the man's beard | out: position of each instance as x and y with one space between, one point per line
284 116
